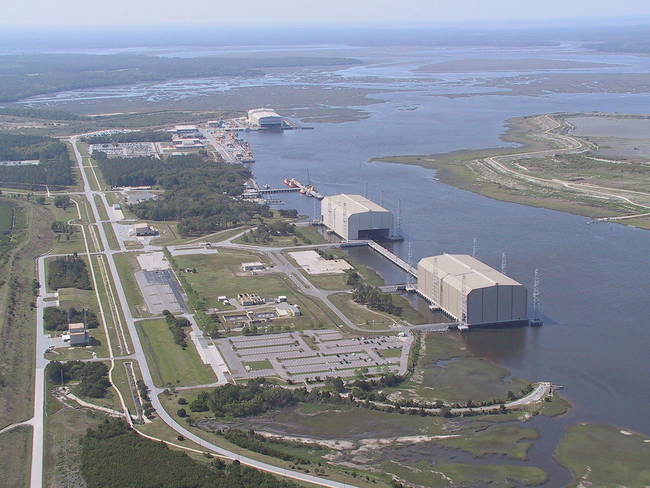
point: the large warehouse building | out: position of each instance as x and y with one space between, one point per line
470 291
356 217
265 118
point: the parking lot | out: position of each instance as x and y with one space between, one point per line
312 355
161 291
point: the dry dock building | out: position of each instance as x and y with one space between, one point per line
265 118
471 291
355 217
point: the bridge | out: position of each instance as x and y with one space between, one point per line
395 259
266 191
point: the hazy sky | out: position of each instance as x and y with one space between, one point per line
95 12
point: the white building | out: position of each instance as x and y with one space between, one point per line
471 291
186 130
144 229
356 217
265 118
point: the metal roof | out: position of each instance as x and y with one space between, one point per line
355 203
463 270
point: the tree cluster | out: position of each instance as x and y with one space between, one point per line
56 318
176 327
253 398
265 231
92 376
374 298
68 272
200 194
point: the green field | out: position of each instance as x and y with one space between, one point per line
171 364
127 265
605 456
511 441
360 314
217 275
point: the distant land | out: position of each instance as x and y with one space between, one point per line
480 65
26 75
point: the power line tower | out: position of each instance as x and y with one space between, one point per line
409 259
475 247
345 219
463 302
436 283
536 295
399 219
503 263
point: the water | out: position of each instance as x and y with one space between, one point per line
595 279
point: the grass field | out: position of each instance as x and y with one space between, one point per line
360 314
217 276
170 364
13 462
127 265
605 456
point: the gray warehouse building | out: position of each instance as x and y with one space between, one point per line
265 118
471 291
355 217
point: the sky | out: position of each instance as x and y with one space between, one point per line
259 12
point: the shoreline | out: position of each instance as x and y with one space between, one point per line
467 170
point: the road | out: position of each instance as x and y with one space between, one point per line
144 366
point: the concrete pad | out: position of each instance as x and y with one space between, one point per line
152 261
314 264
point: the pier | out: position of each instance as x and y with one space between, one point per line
395 259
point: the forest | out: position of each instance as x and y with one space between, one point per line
374 298
25 75
200 193
114 455
68 272
55 168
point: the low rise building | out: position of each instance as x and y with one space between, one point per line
284 309
144 229
78 334
254 266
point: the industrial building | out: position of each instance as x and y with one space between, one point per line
186 130
471 291
356 217
78 334
144 229
265 118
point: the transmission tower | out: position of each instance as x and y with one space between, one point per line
463 301
436 283
503 263
409 260
475 247
536 294
399 219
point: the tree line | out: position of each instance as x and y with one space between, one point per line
374 298
176 327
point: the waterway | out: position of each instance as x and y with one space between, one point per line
595 279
